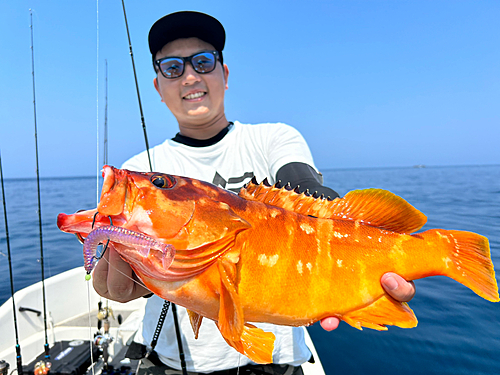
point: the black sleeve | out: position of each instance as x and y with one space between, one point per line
304 176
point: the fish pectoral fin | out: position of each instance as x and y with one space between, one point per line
231 319
255 343
245 338
382 312
195 320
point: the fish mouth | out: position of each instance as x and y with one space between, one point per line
113 196
84 221
79 222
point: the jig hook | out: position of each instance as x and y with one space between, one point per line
107 242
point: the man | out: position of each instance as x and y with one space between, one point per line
191 80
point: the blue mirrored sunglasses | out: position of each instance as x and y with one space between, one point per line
173 67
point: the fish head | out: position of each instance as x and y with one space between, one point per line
135 201
184 212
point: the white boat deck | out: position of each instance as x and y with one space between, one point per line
69 297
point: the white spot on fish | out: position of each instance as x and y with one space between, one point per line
338 235
446 260
339 262
443 236
369 237
380 239
309 266
299 266
274 213
306 228
268 261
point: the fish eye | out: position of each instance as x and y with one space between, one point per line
163 181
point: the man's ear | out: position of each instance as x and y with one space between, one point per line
226 75
157 87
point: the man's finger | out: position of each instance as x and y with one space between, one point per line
397 287
329 324
120 281
100 276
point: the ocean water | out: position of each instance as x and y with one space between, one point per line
458 332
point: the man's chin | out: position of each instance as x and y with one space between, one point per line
200 111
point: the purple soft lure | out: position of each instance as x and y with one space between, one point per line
124 237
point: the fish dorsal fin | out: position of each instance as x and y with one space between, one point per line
378 208
374 207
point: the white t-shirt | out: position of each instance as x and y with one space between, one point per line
245 151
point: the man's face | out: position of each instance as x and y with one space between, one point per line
193 98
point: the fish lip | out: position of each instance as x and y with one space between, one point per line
114 191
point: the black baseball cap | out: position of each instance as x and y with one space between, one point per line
186 24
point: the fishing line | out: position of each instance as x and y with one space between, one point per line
124 274
166 303
90 329
105 151
18 347
46 346
97 99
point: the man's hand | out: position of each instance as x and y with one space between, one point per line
395 285
114 279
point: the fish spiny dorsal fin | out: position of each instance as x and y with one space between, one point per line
374 207
284 197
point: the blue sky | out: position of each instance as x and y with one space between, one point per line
368 83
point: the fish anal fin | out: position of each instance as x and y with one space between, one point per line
195 320
230 319
384 311
255 343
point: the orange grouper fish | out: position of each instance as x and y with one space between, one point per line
272 255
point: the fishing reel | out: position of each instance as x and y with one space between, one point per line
42 368
103 314
4 367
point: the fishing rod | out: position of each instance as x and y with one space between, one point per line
137 87
105 152
166 304
46 346
18 347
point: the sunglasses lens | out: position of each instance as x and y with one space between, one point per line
172 68
203 62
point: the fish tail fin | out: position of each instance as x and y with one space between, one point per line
468 261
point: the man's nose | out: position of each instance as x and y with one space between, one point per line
190 75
